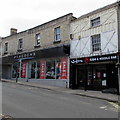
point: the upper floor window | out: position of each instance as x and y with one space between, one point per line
20 44
6 47
37 40
57 34
96 43
95 22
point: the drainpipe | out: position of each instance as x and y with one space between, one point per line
118 75
118 29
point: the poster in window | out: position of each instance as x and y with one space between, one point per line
23 69
98 75
42 69
64 68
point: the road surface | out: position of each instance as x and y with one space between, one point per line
21 101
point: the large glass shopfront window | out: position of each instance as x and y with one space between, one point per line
50 69
42 69
33 69
58 69
54 68
102 76
16 70
96 76
38 69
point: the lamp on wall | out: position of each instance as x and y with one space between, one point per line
71 36
79 37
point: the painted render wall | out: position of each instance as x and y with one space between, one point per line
82 29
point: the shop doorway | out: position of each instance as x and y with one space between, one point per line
34 70
80 78
112 76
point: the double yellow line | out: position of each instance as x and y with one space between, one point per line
115 105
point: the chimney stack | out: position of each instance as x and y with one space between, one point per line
13 31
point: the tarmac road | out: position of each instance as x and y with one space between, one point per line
29 102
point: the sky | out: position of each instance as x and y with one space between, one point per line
25 14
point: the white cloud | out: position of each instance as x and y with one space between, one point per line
24 14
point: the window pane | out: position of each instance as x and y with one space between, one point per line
38 69
6 47
96 43
38 39
50 69
58 69
95 22
20 44
57 33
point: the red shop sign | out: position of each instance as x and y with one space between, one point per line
42 69
23 69
64 68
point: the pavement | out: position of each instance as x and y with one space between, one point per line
93 94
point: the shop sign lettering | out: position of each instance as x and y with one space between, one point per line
76 61
23 69
42 69
64 68
94 59
25 55
104 58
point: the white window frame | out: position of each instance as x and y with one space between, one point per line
37 39
57 33
95 22
96 42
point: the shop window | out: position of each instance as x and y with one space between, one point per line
53 69
58 69
16 70
38 69
96 43
33 69
50 69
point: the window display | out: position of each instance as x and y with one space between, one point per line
16 70
33 69
58 69
38 69
50 69
42 69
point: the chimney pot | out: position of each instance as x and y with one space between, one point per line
13 31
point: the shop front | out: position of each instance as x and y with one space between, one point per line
94 73
48 66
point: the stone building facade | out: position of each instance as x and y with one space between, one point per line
37 54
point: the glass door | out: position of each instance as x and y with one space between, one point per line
33 69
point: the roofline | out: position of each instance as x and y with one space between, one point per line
98 10
41 25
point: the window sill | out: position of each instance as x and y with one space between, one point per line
19 50
57 41
37 46
95 26
5 53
